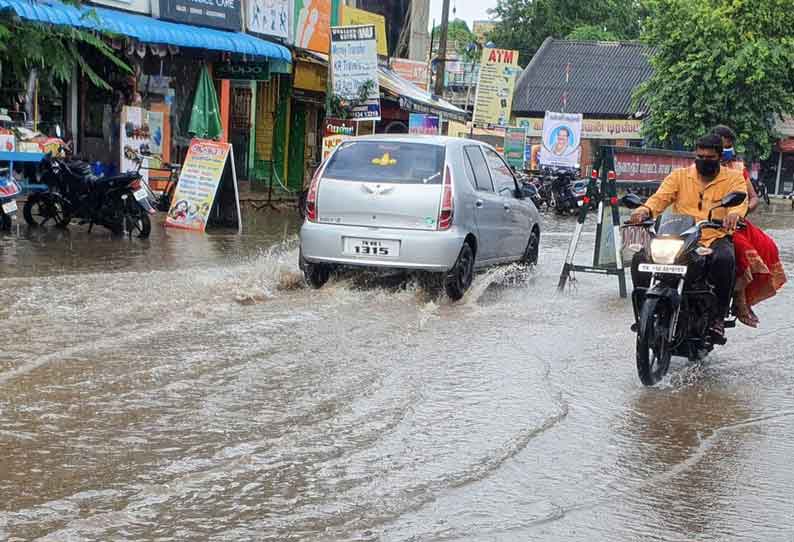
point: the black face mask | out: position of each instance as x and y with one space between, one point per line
707 168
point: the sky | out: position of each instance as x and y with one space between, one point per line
468 10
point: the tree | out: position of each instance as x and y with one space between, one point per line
524 24
54 51
718 62
458 36
590 32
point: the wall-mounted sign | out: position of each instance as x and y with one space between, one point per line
515 146
411 70
354 64
245 71
497 80
335 127
421 124
271 17
226 14
591 128
313 25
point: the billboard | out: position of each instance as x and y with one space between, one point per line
313 25
419 123
270 17
357 17
641 165
226 14
515 146
495 86
562 140
354 64
411 70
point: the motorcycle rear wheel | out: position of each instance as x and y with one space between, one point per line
653 347
137 223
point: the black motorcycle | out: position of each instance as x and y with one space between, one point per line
562 197
673 315
120 203
762 190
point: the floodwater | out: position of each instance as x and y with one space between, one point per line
189 388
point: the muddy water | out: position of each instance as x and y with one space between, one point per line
187 388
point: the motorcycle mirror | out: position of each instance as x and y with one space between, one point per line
58 130
734 199
632 201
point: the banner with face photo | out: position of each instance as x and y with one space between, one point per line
562 134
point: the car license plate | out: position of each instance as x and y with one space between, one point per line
10 207
140 194
377 248
663 269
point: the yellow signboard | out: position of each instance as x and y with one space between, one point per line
498 71
611 129
356 17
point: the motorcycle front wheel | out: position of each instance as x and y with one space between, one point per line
45 208
653 346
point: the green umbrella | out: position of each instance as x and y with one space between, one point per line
205 119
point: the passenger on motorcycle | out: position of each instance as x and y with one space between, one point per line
694 191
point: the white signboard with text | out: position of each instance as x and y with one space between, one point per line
354 64
270 17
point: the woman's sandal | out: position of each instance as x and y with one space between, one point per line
746 316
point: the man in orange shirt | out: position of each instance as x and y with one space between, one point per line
694 191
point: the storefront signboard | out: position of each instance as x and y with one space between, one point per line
421 124
225 14
562 140
515 146
354 64
334 127
411 70
495 85
591 128
313 25
242 71
638 166
270 17
198 184
357 17
330 143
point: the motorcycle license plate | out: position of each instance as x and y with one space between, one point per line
663 269
140 194
580 203
10 207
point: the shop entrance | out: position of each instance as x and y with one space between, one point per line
240 126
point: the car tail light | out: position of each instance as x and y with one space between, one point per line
136 184
311 197
447 203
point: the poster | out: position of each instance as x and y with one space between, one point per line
561 140
419 123
339 127
411 70
330 143
354 63
313 25
198 184
142 134
495 86
357 17
515 146
270 17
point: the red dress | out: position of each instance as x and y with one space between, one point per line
757 258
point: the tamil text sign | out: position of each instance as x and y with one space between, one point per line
495 85
198 183
609 129
354 65
637 166
561 140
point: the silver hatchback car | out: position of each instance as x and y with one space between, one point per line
433 204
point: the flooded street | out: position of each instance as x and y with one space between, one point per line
188 387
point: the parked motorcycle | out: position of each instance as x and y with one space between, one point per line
762 190
562 195
673 315
120 203
9 189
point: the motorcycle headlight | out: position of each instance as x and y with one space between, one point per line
664 251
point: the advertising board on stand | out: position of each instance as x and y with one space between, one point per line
421 124
515 146
354 64
198 184
141 139
561 145
270 17
495 86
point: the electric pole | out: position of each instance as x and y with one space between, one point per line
442 49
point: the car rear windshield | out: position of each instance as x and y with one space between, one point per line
386 162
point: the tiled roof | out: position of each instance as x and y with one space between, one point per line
601 78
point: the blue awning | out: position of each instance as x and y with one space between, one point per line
145 29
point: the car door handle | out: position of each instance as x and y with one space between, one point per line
507 207
479 203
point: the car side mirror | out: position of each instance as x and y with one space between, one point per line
632 201
734 199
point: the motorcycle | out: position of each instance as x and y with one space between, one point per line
562 196
762 190
120 203
8 205
673 316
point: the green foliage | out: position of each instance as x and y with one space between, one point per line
524 24
458 36
55 50
590 32
342 108
719 62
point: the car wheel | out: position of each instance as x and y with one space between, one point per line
460 277
533 248
316 274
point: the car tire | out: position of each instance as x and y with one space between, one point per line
533 248
316 274
460 277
